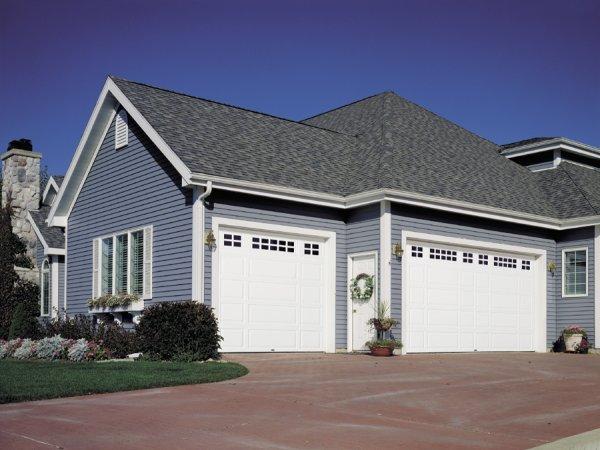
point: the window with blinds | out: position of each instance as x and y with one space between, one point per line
125 264
107 266
137 262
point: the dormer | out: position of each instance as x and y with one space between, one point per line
52 187
545 153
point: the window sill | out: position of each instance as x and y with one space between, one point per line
575 296
135 306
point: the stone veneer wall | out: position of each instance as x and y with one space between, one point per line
21 183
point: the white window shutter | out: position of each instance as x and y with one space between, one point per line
95 268
121 129
147 262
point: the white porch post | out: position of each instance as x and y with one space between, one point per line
597 287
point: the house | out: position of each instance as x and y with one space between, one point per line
476 246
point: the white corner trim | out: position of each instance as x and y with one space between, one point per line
385 249
540 325
54 298
564 272
350 305
330 247
50 184
597 287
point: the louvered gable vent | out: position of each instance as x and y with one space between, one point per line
121 129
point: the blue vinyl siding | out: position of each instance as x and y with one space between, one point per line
39 254
128 188
454 225
576 310
363 230
256 209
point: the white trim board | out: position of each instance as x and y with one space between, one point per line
385 249
330 264
47 250
50 184
539 265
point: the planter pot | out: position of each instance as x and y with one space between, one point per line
382 351
572 342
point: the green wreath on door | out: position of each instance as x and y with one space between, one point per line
362 292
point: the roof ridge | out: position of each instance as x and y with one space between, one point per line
346 105
225 104
581 191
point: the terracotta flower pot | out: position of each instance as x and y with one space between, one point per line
382 351
572 342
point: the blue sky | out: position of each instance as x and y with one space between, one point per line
506 70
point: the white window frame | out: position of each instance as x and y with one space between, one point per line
113 236
45 275
564 271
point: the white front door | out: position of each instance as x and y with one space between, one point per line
468 299
271 291
361 311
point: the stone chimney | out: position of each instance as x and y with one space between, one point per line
21 183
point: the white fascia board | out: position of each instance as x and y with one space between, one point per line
37 232
133 112
553 144
269 190
97 127
394 196
100 110
51 184
47 250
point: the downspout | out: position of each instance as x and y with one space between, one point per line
206 192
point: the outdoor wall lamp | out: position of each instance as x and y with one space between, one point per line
397 249
209 239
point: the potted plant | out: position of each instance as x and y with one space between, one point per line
384 344
383 347
574 335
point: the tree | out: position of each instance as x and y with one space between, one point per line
13 290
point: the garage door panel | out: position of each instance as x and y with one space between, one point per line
312 272
233 266
259 291
470 300
231 312
266 339
310 316
273 314
311 296
276 269
232 290
270 297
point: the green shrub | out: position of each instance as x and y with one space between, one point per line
24 323
70 327
116 339
179 330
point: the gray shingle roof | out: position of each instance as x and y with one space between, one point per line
383 141
53 236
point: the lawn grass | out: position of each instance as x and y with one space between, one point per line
35 380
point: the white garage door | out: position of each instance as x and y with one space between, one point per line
463 300
271 292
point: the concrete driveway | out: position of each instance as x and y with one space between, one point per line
333 401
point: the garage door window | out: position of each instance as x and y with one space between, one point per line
445 255
311 249
575 272
525 265
275 245
483 260
501 261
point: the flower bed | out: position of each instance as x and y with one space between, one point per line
53 348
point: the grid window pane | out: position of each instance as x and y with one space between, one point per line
107 266
137 262
121 265
575 272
